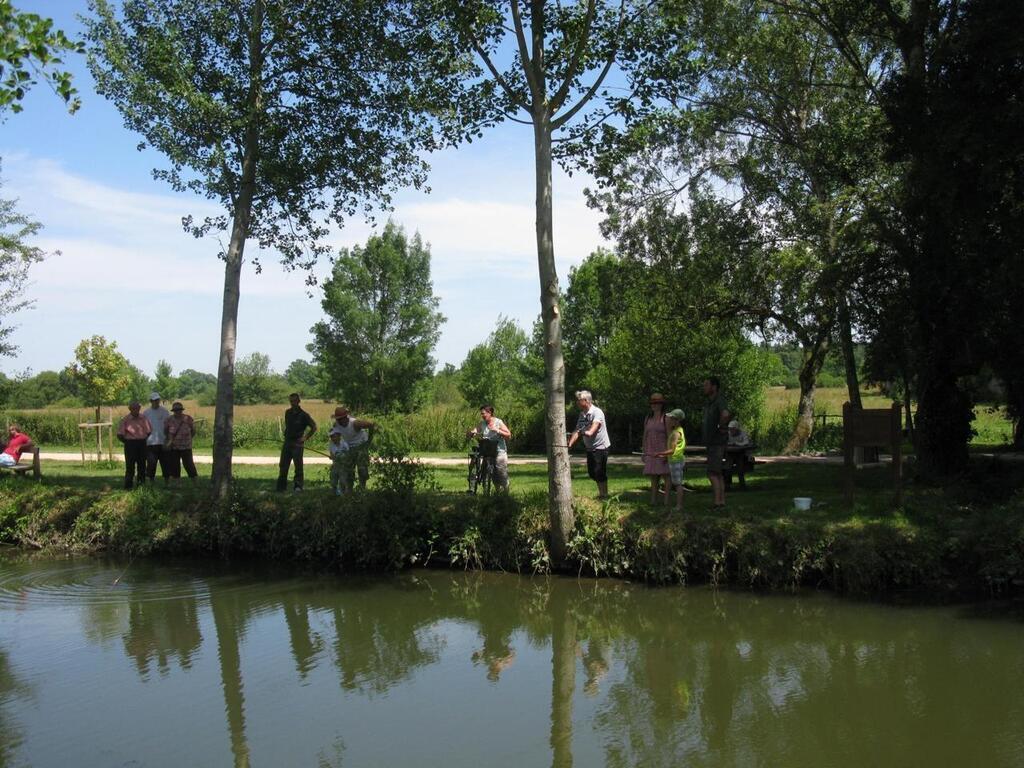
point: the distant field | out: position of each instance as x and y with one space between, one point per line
826 400
318 409
991 426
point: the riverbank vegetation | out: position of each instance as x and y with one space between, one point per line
967 536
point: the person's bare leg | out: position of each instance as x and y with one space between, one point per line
679 497
655 479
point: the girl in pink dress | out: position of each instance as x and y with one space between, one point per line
655 441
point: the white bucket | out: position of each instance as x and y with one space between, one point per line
803 503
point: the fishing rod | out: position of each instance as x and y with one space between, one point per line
123 572
305 446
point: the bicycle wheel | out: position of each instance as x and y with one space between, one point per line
474 468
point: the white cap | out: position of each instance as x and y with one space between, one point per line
154 396
734 424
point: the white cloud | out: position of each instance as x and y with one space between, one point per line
121 244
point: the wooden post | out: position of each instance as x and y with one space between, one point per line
848 445
897 452
81 437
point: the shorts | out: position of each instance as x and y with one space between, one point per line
716 459
6 460
597 465
675 471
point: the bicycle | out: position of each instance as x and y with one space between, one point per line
481 466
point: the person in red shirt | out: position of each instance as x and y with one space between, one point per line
17 442
132 432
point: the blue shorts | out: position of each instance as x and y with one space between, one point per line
675 471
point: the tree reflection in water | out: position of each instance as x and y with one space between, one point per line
673 676
12 691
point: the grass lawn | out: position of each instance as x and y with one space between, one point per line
770 489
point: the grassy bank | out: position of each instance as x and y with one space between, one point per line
964 537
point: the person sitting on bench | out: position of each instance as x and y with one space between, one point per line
738 453
17 443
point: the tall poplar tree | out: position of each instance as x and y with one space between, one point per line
548 64
289 115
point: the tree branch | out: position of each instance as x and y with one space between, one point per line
574 61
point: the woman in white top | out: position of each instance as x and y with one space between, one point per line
356 434
494 429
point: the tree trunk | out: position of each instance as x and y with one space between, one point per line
943 425
849 359
560 509
814 359
563 676
908 408
224 415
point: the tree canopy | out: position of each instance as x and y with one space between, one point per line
31 50
376 345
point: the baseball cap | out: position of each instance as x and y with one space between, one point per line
154 396
677 414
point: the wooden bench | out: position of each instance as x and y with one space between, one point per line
22 468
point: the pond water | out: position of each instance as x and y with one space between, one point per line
200 664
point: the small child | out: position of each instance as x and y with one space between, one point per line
339 476
675 455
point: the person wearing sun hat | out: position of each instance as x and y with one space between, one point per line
655 442
156 415
179 430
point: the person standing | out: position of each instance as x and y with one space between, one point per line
591 425
298 428
655 443
675 452
356 433
715 435
493 429
132 431
338 451
156 415
179 431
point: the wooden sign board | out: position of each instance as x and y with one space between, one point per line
873 428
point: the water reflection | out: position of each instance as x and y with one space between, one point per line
13 691
633 676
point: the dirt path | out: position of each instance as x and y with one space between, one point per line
437 461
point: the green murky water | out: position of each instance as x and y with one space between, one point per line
208 665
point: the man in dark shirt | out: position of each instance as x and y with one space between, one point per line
716 435
298 428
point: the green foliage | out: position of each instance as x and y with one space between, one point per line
256 383
42 389
594 301
16 256
383 324
503 371
165 382
191 382
442 388
101 374
304 377
31 48
937 541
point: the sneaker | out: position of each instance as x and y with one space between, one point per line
297 489
337 491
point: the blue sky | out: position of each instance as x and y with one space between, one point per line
127 270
